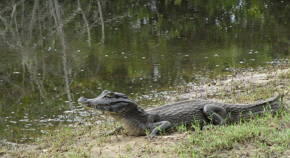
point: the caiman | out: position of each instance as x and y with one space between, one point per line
137 121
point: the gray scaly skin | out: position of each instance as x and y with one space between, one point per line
137 121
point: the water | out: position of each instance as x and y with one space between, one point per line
53 53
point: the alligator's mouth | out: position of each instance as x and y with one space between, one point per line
92 103
109 101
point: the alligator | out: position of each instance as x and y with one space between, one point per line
137 121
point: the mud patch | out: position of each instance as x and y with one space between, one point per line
125 146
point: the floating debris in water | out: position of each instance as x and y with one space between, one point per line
16 72
78 50
278 61
143 57
28 125
24 120
106 55
242 62
216 55
43 132
43 121
29 129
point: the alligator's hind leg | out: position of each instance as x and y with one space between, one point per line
215 113
159 126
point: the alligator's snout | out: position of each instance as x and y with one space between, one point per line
82 100
109 101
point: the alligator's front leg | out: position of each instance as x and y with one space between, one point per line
158 127
216 114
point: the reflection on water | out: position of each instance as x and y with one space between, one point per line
53 52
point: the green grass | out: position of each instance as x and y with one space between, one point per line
266 131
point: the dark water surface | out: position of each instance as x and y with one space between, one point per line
54 52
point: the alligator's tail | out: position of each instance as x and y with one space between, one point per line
272 105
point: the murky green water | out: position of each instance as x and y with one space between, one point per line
53 52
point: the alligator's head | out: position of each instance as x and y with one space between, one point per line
108 101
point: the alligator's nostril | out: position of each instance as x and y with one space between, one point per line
82 100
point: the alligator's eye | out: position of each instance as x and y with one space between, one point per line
120 95
110 95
